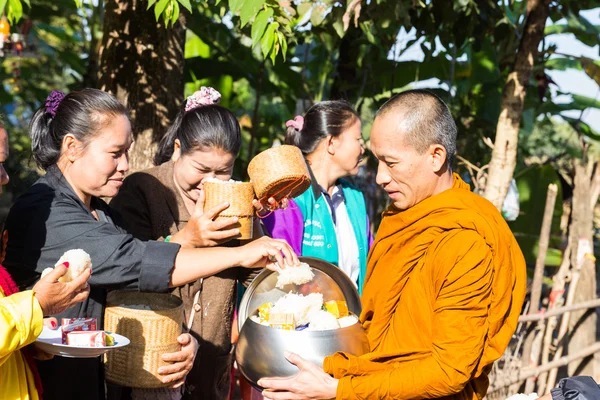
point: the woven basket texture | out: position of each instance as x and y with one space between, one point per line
279 172
151 332
239 195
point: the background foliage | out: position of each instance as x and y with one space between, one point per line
272 59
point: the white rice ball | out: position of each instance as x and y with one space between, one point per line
78 261
301 306
297 275
322 321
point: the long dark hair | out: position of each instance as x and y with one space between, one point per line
326 118
205 126
81 113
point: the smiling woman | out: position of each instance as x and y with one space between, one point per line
81 140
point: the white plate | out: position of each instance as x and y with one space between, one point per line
50 341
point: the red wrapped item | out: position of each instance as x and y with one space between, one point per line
86 338
75 325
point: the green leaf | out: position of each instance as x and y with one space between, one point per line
150 3
303 8
338 25
591 68
2 5
234 5
318 15
186 4
160 7
283 43
15 10
195 47
266 43
249 10
582 128
260 24
274 51
175 15
562 64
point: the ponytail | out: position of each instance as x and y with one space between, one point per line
44 145
326 118
167 143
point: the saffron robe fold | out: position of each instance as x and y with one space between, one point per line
444 289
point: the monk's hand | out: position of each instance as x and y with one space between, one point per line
202 230
310 383
271 205
182 361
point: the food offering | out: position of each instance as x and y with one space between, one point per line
239 195
310 309
297 312
78 261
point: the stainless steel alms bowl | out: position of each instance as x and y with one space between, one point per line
260 349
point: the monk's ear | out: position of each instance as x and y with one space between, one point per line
437 156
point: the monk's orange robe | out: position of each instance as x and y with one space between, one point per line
444 289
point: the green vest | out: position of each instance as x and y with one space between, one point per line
319 237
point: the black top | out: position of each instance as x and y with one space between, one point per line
49 220
576 388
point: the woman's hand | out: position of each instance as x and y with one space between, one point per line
182 360
202 230
272 205
310 383
39 354
266 252
55 297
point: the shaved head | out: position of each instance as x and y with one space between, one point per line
422 119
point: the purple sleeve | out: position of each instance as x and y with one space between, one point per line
286 224
369 234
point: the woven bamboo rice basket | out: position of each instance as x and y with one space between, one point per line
239 195
152 333
279 172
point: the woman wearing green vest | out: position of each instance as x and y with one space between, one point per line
329 220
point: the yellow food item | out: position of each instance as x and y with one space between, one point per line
282 321
110 341
337 308
263 311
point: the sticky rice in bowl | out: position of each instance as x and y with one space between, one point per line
314 319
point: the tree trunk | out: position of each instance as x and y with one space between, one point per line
504 155
346 79
141 63
582 325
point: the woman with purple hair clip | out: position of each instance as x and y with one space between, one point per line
82 141
329 220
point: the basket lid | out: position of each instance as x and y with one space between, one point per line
329 280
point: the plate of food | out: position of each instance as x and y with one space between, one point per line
80 344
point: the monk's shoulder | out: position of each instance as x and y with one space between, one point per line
458 252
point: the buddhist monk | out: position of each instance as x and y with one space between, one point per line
445 279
